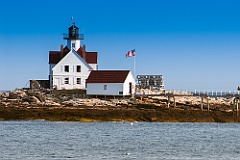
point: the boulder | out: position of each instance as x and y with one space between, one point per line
39 95
17 94
4 94
34 99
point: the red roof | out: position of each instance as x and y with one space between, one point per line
56 56
107 76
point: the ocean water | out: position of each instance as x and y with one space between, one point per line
44 140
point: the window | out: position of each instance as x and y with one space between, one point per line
66 68
66 80
73 32
78 80
73 45
78 68
105 87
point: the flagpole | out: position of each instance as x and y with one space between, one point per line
134 67
131 53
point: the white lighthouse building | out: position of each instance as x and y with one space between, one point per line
69 68
73 37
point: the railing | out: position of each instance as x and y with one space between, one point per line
76 36
211 93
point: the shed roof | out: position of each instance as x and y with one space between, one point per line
107 76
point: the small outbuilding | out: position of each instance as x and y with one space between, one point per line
111 83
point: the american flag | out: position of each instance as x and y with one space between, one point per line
130 53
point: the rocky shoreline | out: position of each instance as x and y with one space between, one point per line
42 104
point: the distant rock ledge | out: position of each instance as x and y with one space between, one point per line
24 104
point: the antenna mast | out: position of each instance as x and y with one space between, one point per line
73 23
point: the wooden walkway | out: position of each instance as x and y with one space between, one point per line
204 99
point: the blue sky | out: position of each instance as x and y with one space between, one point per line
194 44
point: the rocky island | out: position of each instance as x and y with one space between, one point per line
26 104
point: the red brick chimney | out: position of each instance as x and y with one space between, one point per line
84 52
61 47
61 50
